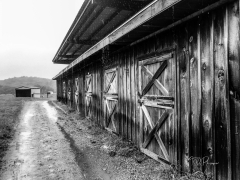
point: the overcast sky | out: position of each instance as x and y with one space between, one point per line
31 32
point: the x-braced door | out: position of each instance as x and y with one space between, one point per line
111 99
64 90
156 96
69 94
88 96
76 97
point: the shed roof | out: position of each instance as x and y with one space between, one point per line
154 18
25 87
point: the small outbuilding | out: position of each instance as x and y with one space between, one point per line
24 91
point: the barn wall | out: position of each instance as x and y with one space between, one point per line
207 95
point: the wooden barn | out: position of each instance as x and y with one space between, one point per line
164 74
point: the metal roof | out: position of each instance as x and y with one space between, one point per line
24 87
94 21
158 16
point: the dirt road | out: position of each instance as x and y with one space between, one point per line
49 144
39 149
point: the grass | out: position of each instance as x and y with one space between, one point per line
10 108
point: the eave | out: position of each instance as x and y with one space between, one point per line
151 20
95 20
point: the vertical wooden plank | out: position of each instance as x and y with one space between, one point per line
125 125
94 91
176 108
84 90
227 100
60 90
104 100
207 89
128 98
189 104
81 87
93 72
234 84
222 115
57 81
178 100
97 92
121 88
184 96
172 89
141 118
194 91
137 84
132 97
117 89
102 116
155 112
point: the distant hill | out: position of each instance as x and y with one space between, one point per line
9 85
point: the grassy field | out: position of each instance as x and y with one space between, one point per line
10 108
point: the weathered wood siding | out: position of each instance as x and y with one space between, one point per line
207 95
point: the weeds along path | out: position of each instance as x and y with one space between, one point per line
39 149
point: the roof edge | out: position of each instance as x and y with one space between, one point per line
131 23
77 18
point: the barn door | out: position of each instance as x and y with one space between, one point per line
76 97
69 93
111 99
156 96
88 96
64 90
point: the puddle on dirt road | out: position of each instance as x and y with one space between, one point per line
51 111
24 143
82 159
25 134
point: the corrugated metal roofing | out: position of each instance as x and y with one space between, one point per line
24 87
95 20
124 35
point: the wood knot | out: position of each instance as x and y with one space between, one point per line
204 66
191 39
221 74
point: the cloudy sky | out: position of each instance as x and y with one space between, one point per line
31 32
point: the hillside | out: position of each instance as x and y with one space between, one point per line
9 85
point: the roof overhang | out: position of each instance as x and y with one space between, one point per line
94 21
158 16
